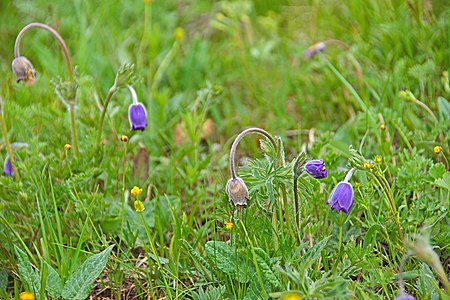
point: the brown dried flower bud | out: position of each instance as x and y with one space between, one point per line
24 70
237 192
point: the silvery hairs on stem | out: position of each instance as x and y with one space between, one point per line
236 189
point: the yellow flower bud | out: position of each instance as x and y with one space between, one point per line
382 127
179 34
378 159
124 138
67 147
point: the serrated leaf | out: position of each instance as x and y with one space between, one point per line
255 291
444 108
3 279
265 266
314 252
27 273
54 283
444 182
80 283
229 262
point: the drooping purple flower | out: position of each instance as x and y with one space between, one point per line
137 116
341 197
315 49
316 168
237 192
405 297
8 167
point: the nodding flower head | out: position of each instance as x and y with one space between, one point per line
8 167
24 70
316 168
341 197
315 49
137 116
237 192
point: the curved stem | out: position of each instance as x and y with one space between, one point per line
424 106
238 139
349 174
111 92
401 282
133 94
74 129
54 33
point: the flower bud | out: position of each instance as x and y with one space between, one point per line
124 138
316 168
437 149
137 115
24 70
67 147
237 192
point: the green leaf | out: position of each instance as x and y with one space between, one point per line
27 273
371 235
3 279
80 283
436 171
444 108
229 262
265 266
314 252
54 284
444 182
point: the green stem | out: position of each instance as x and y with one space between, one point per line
296 203
286 210
8 144
74 130
111 92
155 254
124 166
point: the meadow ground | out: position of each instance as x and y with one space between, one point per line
361 85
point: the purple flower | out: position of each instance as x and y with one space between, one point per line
8 167
137 116
315 49
316 168
405 297
341 197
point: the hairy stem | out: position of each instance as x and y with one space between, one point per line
238 139
8 144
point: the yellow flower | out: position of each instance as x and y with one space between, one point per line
382 127
378 159
67 147
229 225
27 296
368 166
292 296
124 138
139 206
179 34
136 191
437 149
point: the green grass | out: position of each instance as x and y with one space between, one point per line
240 64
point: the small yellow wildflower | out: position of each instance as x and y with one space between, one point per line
368 166
292 296
437 149
67 147
179 34
229 225
124 138
139 206
382 127
136 191
27 296
356 185
378 159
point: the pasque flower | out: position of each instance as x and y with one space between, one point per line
137 116
237 191
316 168
341 197
24 70
8 167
